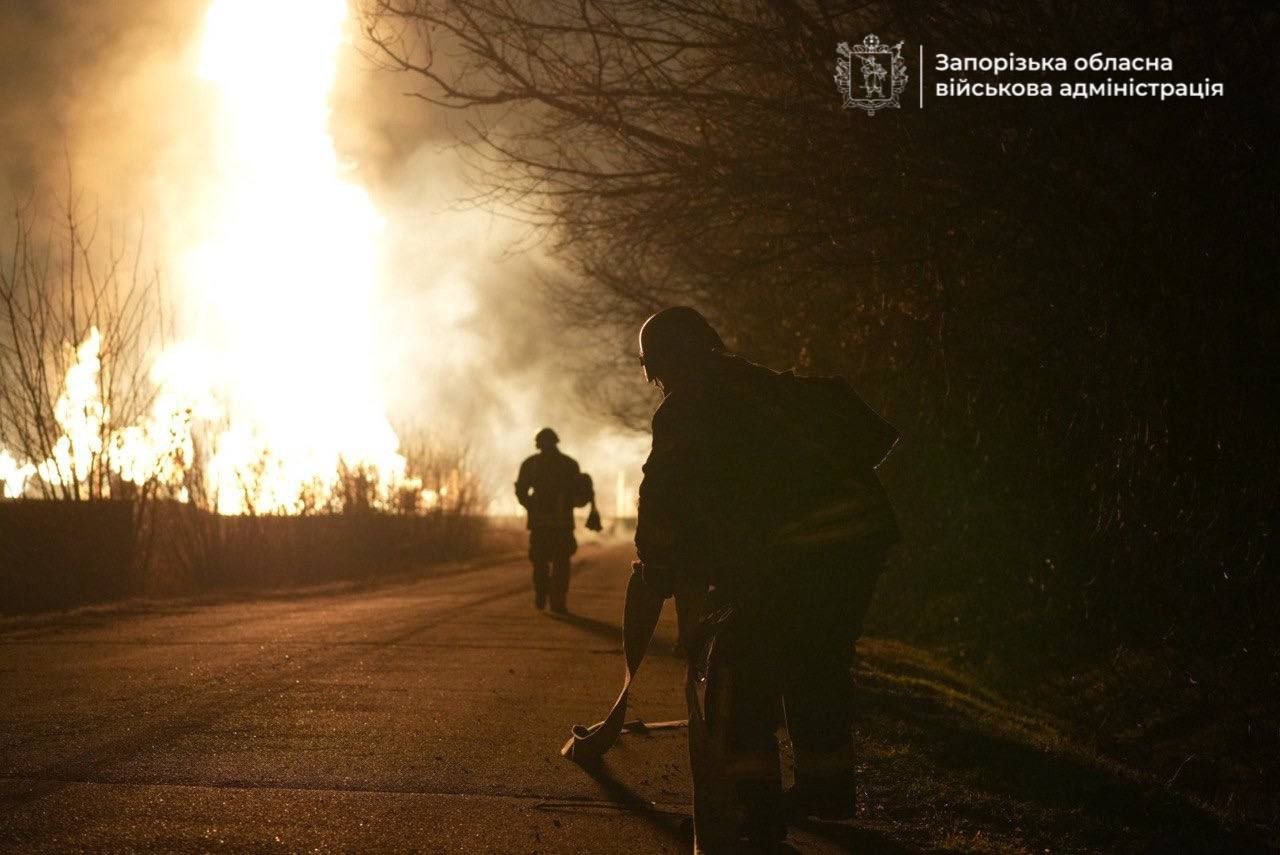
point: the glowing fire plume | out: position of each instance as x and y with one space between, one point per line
283 285
272 399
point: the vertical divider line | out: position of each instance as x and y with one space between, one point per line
920 78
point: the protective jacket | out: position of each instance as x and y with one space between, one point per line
547 487
753 468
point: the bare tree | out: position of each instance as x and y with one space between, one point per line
1062 303
80 319
442 479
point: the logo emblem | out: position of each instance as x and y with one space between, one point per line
880 71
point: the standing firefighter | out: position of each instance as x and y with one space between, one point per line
549 487
761 509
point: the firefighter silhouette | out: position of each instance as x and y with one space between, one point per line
760 506
549 486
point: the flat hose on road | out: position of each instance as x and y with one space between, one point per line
641 611
713 814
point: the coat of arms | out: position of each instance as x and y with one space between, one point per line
882 71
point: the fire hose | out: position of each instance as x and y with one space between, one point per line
588 744
643 607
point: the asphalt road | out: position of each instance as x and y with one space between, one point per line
427 715
421 715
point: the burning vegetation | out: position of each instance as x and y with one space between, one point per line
268 401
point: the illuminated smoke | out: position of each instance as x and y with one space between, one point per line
281 269
284 283
280 357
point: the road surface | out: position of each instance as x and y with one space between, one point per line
427 714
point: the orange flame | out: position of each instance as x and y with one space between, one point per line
280 361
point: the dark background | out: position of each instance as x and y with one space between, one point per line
1067 306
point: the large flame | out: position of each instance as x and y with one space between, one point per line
277 372
80 413
284 284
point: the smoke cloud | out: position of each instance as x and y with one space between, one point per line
106 98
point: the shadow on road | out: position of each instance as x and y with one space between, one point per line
595 627
669 824
613 633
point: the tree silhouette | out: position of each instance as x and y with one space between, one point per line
1066 305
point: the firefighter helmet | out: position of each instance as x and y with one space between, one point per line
546 438
675 337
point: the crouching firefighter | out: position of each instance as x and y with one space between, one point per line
760 511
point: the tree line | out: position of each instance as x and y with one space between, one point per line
1066 306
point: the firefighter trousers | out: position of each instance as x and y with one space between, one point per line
550 551
787 665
